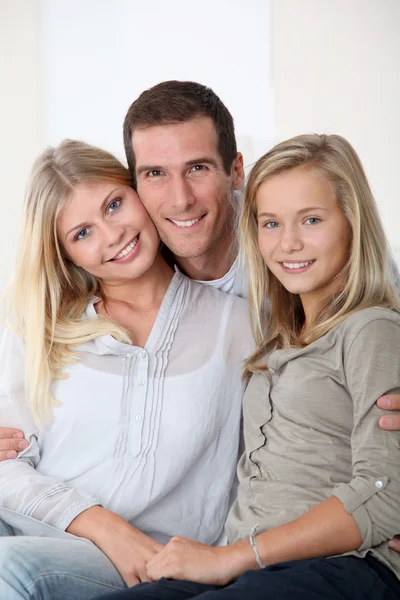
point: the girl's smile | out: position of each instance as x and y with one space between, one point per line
303 234
293 267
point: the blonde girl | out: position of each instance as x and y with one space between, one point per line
319 484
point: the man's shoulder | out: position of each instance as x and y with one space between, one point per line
233 282
215 296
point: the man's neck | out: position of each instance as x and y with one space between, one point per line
212 265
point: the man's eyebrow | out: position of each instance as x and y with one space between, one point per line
300 212
203 160
144 168
102 207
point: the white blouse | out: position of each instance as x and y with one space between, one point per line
235 281
150 433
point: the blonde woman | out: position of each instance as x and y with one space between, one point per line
125 377
319 483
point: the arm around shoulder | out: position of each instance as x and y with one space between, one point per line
23 489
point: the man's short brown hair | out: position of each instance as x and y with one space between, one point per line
177 102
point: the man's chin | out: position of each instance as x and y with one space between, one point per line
187 250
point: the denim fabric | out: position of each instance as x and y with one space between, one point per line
36 568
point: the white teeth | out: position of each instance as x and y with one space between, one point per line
125 251
185 223
296 265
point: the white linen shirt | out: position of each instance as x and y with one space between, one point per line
150 433
233 282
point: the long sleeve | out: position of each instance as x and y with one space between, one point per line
372 368
23 489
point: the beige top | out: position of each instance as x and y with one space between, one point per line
310 428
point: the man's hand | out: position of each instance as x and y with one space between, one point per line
11 442
128 548
390 402
392 423
187 560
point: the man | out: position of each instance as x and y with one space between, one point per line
181 149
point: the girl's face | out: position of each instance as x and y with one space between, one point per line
303 234
105 229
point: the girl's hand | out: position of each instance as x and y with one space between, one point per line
184 559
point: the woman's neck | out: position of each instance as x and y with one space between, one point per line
145 291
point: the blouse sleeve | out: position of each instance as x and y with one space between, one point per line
372 368
23 489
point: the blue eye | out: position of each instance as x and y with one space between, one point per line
271 225
313 220
114 205
82 234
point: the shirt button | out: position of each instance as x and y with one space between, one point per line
138 417
143 354
141 382
378 484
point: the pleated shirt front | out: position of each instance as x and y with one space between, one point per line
150 433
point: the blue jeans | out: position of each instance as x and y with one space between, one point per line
45 568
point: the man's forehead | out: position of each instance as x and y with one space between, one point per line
175 142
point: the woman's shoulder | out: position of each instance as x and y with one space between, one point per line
10 340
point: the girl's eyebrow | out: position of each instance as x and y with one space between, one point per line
300 212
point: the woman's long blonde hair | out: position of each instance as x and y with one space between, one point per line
48 294
368 279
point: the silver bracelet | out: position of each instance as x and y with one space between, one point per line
253 544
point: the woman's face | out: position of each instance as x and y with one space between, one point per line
303 234
105 229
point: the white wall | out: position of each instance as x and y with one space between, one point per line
20 108
72 69
99 55
336 69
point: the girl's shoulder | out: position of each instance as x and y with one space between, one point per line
360 319
369 329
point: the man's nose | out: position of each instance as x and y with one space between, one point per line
182 194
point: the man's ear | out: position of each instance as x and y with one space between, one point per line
237 172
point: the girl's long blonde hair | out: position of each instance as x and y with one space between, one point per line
48 294
368 279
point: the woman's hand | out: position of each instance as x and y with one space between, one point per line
128 548
184 559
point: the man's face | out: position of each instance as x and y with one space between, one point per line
183 185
